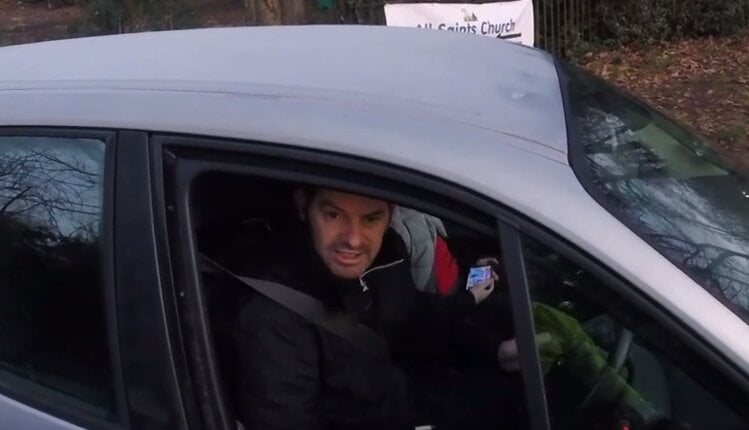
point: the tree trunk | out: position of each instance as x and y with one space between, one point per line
293 12
268 12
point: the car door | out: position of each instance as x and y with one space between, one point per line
644 381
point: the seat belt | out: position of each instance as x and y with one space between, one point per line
315 311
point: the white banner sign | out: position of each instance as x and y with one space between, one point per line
510 20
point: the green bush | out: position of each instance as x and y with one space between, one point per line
108 14
137 15
647 21
716 17
570 28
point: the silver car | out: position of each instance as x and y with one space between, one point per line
616 226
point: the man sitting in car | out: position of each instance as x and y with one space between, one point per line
295 374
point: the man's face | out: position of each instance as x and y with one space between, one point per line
347 230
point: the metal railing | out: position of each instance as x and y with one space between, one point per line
561 26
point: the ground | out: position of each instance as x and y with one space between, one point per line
703 83
22 23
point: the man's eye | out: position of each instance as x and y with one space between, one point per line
374 220
332 215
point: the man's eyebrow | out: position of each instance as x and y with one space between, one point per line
377 213
331 205
325 203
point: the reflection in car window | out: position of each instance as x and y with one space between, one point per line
52 323
665 184
608 366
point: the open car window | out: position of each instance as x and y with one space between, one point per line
441 367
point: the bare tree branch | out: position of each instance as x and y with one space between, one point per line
14 199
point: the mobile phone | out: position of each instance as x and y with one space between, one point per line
477 275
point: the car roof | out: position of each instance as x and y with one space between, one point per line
482 81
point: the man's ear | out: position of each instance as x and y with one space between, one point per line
301 201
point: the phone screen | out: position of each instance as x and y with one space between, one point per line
478 275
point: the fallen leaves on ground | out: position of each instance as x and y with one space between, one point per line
703 83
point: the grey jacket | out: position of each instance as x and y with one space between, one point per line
419 232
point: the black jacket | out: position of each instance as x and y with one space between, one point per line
293 374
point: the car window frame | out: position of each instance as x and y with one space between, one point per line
431 194
48 400
226 155
152 358
204 406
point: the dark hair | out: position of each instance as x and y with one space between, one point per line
310 192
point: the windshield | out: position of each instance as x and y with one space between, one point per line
664 183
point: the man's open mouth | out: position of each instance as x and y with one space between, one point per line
347 258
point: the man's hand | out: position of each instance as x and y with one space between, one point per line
507 353
482 291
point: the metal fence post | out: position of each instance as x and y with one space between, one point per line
536 21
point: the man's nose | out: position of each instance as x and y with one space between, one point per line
354 234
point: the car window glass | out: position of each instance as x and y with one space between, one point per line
665 184
442 365
52 318
607 366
